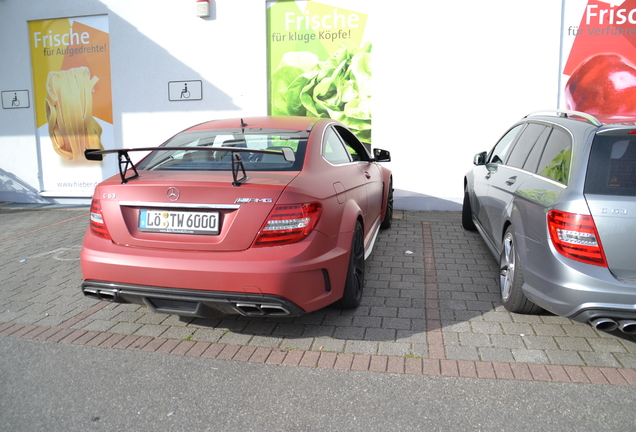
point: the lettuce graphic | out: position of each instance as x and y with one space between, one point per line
338 88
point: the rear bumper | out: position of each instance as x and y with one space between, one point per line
285 280
193 303
581 292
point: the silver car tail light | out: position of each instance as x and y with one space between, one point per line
575 236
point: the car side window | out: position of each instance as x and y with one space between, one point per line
354 146
500 151
532 161
555 160
525 144
333 150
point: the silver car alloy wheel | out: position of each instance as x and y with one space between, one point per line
507 267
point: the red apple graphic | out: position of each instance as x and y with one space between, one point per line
603 84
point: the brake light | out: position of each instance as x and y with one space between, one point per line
97 224
288 224
575 236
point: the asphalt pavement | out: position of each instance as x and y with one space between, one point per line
430 348
48 386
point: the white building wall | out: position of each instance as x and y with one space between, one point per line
448 79
451 78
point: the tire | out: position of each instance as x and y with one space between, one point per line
467 213
354 283
511 278
388 213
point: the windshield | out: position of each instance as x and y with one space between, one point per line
192 158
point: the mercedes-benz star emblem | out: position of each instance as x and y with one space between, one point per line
173 194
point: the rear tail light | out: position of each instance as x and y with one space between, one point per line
575 236
288 224
97 224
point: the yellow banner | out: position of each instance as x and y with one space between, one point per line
72 98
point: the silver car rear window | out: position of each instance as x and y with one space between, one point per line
612 166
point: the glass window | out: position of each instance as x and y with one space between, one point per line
500 151
525 144
612 166
355 148
333 149
532 161
556 157
202 150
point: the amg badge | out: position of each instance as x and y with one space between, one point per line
254 200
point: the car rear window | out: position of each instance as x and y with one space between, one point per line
193 158
612 166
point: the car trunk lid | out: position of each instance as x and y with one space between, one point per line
615 221
189 210
610 191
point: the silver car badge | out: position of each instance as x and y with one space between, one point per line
173 193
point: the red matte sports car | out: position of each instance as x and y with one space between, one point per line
268 216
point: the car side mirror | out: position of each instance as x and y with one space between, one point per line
381 155
480 158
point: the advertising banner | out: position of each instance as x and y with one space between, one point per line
599 52
70 58
319 61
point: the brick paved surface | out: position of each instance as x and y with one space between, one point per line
430 307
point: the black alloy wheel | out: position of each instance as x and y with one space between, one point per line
355 273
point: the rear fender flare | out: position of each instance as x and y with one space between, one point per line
350 215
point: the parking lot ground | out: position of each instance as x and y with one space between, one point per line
430 307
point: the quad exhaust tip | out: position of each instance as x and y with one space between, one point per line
101 294
261 309
604 324
609 325
627 326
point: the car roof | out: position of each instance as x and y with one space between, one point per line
578 119
264 122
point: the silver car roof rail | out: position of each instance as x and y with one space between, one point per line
564 113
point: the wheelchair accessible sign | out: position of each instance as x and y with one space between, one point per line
185 90
15 99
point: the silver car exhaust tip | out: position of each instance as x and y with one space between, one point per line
604 324
627 327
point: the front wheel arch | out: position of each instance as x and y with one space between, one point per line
467 213
387 220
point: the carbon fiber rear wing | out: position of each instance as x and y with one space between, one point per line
125 163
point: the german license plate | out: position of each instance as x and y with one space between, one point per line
179 222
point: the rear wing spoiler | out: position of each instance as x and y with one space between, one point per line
125 163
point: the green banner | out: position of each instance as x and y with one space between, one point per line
319 63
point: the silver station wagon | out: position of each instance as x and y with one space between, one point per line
555 201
